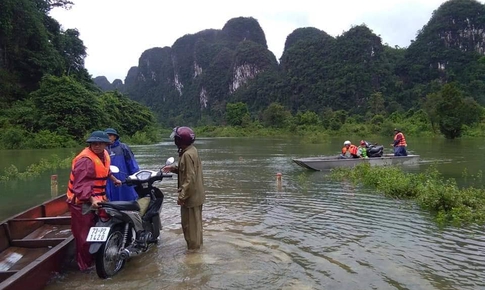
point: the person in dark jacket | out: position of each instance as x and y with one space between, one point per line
87 185
191 194
122 157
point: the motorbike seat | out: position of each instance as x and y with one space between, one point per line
122 205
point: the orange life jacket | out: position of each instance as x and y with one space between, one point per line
102 171
403 140
344 150
352 150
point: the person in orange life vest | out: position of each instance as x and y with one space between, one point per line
87 185
349 150
399 143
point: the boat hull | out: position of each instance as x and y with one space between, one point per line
327 163
34 245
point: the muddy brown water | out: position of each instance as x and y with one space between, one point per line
306 233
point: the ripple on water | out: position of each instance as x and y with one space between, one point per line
307 233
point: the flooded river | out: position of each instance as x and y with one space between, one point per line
306 233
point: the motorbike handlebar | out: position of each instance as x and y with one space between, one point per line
132 181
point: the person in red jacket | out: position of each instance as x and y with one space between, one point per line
87 185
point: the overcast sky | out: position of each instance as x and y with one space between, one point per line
116 32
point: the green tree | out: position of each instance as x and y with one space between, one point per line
276 115
376 103
236 113
47 5
127 116
66 107
307 118
430 107
74 51
454 111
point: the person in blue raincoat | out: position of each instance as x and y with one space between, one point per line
122 157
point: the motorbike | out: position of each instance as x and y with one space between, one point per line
374 150
113 239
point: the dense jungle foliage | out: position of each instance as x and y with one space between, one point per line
351 81
48 98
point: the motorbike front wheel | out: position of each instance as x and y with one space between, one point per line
108 259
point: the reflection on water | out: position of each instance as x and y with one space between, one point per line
305 233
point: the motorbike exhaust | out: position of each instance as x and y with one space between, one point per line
126 253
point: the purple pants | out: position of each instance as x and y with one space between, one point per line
80 225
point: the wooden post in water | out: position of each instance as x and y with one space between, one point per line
53 185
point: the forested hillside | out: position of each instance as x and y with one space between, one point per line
353 77
48 98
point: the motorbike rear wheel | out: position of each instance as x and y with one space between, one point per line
108 259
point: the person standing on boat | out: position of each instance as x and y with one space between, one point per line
399 143
349 150
191 194
122 157
87 185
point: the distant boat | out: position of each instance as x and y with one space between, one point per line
34 244
330 162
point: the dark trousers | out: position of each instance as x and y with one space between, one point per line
400 151
80 225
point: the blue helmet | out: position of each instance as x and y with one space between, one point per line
98 136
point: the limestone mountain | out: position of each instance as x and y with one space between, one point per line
192 81
449 48
340 73
197 75
103 83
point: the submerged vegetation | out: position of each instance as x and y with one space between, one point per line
450 203
34 170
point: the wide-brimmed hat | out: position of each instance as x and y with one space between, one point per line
98 136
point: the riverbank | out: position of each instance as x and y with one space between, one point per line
314 134
310 132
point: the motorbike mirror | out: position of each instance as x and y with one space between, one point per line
114 169
169 161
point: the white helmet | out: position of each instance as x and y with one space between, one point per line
347 142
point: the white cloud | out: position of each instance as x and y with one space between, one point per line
116 32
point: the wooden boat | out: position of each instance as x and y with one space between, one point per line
329 162
34 244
